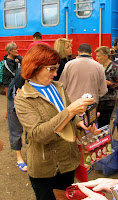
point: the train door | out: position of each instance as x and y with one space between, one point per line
84 22
91 21
84 16
109 18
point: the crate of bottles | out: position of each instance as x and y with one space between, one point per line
93 148
96 147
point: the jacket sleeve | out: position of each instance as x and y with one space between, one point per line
114 77
35 120
76 118
19 81
40 130
7 77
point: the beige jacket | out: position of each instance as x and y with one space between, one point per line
47 151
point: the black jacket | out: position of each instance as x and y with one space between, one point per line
13 66
61 67
17 82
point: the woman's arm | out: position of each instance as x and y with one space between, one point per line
78 107
90 194
101 184
38 122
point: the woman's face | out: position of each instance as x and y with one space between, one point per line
68 48
13 52
45 75
101 58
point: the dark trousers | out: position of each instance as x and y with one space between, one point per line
43 187
105 108
14 126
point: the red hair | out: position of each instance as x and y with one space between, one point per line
38 56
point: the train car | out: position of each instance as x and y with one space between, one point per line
83 21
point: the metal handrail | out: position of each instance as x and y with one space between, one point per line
83 10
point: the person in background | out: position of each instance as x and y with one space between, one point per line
100 184
107 102
14 126
11 63
84 75
64 48
12 81
37 39
50 120
114 51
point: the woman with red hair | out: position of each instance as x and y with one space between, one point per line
50 121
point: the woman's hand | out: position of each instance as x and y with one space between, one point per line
90 194
92 128
100 184
109 82
79 106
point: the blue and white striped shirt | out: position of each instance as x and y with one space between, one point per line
51 93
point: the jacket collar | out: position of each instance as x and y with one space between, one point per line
84 56
29 91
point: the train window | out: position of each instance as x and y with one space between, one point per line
50 12
14 13
84 8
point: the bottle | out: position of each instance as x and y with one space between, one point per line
108 148
93 156
104 150
98 153
90 116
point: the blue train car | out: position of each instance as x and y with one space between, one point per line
83 21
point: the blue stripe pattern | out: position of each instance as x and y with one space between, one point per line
51 93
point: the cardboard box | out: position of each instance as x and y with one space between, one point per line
93 148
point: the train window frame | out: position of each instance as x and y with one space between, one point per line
49 2
77 10
17 7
